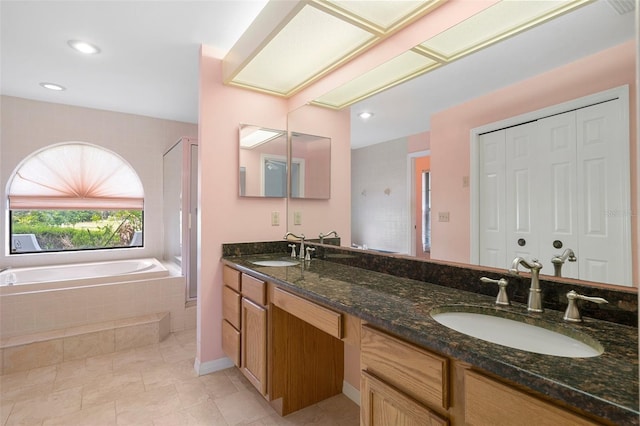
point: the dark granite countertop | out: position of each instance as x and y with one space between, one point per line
606 385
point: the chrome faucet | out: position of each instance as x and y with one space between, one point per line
572 314
558 261
300 237
323 236
535 293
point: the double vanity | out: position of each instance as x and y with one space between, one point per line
286 321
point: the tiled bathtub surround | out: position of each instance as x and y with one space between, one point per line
35 312
622 307
48 348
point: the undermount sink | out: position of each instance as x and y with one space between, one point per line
275 263
486 325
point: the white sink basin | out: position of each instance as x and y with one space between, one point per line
275 263
517 334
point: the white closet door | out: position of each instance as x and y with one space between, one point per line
603 200
557 188
522 229
492 225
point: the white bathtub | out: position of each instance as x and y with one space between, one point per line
49 298
38 278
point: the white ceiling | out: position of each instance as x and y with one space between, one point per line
149 59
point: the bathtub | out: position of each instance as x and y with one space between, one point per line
55 297
38 278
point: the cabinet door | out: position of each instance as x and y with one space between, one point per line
254 344
488 402
384 405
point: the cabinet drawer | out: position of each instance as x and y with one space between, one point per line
254 289
231 278
489 402
231 342
231 306
420 374
318 316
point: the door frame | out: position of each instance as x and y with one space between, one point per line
412 198
620 92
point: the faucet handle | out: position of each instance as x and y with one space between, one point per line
308 256
293 250
502 298
572 314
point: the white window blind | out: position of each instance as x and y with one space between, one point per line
75 176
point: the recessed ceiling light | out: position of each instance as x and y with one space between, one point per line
83 47
53 86
365 115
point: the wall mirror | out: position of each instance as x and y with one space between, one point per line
310 166
262 167
589 36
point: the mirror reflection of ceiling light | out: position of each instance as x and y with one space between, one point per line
83 47
53 86
258 137
365 115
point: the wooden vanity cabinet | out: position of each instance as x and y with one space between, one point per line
401 383
492 402
253 359
231 309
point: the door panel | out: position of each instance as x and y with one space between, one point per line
492 196
605 226
557 187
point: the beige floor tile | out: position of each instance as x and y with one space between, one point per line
147 406
5 410
111 387
153 385
218 384
204 413
55 404
242 407
98 415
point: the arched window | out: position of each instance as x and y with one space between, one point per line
74 196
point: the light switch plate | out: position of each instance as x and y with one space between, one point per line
275 218
443 216
297 218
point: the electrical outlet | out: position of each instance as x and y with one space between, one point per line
297 218
275 218
443 216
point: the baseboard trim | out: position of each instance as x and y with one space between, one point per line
207 367
351 392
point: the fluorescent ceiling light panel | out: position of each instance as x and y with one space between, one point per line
495 23
258 137
382 15
395 71
311 44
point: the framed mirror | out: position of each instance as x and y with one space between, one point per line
262 162
310 166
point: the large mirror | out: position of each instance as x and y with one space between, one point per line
578 35
263 162
310 166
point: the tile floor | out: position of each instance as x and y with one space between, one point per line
150 386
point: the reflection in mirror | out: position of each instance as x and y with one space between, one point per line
491 85
310 166
263 162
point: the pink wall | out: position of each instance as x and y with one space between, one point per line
419 142
224 217
450 136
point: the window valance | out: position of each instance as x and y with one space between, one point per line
76 176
